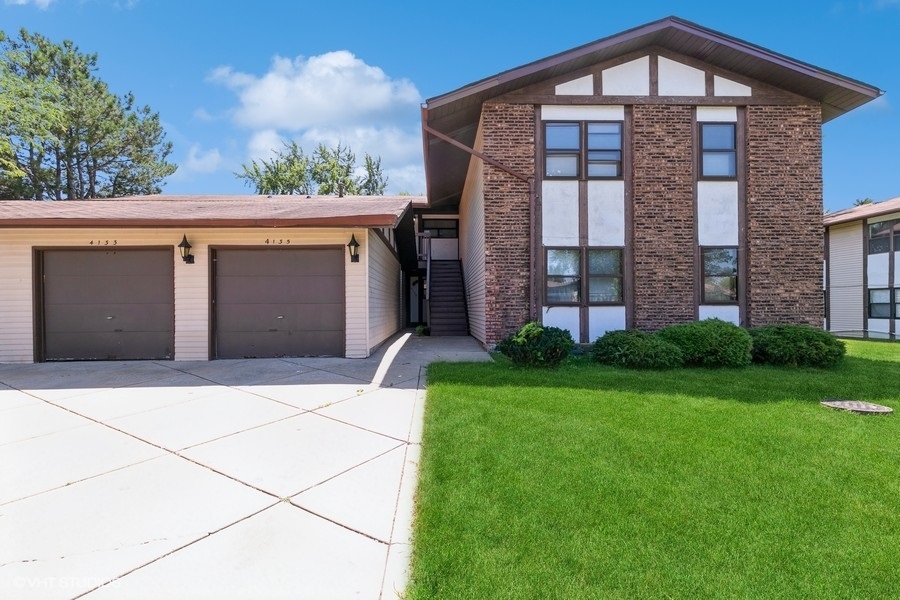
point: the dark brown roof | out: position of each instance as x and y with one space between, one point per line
457 113
210 211
864 211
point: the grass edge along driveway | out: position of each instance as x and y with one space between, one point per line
595 482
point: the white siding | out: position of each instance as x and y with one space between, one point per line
716 114
583 86
846 296
559 213
471 244
717 213
877 269
628 79
384 291
606 213
612 112
727 87
604 318
191 281
564 317
677 79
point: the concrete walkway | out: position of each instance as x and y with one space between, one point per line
266 478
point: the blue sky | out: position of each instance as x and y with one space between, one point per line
230 79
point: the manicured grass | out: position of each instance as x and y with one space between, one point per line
594 482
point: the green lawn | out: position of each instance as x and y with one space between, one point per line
594 482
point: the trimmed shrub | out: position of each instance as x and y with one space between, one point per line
636 350
710 343
537 346
796 346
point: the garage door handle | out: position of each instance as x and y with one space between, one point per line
109 318
280 317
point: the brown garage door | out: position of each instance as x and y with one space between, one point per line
273 303
107 304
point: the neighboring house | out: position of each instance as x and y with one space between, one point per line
665 174
862 270
266 277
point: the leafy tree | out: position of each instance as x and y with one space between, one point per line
69 136
288 172
332 170
863 201
374 181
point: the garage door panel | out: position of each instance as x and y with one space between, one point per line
278 344
105 305
285 302
135 345
302 290
95 318
110 288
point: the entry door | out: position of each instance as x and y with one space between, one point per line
271 303
106 304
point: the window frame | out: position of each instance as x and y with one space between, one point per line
891 311
583 276
584 150
736 275
891 236
703 151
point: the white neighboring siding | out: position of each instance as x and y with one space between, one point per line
191 281
384 291
471 244
846 297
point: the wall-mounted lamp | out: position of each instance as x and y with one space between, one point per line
353 246
185 248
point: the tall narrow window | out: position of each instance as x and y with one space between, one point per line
880 304
563 276
720 275
583 150
563 149
718 150
605 276
604 159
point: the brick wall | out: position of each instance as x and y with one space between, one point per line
663 224
784 214
508 131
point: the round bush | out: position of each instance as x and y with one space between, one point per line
710 343
636 350
537 346
796 346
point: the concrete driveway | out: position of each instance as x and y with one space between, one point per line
265 478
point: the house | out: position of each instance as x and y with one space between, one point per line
260 277
862 270
661 175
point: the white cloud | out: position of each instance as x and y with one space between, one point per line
329 99
41 4
202 162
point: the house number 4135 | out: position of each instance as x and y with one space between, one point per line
103 242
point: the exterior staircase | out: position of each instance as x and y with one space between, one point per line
447 299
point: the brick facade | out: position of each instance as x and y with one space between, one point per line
508 131
664 238
784 215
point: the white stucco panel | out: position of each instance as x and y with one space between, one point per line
559 214
583 86
628 79
717 213
564 317
606 213
716 114
677 79
727 87
877 270
877 326
605 318
613 112
729 313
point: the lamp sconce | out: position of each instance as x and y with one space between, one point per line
353 246
185 248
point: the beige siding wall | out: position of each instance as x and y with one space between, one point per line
471 243
384 291
191 281
846 300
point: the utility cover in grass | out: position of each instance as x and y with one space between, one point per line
857 406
